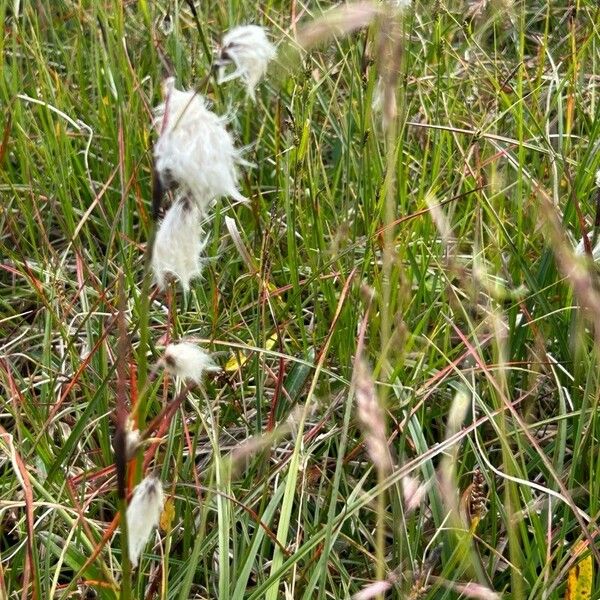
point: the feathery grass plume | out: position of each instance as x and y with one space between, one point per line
178 246
448 485
475 591
458 412
389 60
143 515
188 362
476 9
447 470
339 21
373 590
413 491
194 152
378 95
250 51
371 417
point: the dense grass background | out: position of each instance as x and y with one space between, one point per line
497 126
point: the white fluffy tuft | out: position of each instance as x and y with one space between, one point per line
402 4
178 245
250 51
194 150
143 515
188 362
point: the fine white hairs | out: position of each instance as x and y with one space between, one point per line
143 515
250 51
194 152
188 362
179 244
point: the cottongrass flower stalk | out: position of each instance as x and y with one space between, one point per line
178 246
250 51
188 362
194 152
143 515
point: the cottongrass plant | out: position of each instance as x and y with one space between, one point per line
194 152
143 515
179 244
249 50
188 362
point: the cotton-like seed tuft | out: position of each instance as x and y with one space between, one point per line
178 246
188 362
132 442
194 152
143 515
250 51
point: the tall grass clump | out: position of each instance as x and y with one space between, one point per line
299 300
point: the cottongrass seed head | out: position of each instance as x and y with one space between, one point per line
250 51
188 362
178 246
143 515
194 151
